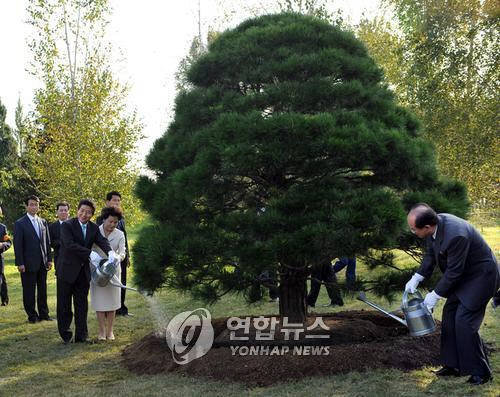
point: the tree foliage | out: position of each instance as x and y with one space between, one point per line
83 138
288 151
15 167
441 57
317 8
7 154
7 143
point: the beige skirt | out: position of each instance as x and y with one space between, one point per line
105 299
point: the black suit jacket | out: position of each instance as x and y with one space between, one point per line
470 269
74 252
55 239
6 245
29 250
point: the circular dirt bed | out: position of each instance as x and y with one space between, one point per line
357 341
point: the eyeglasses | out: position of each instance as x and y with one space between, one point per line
414 229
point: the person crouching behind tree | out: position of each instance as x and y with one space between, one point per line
106 300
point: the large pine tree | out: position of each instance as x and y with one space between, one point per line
288 151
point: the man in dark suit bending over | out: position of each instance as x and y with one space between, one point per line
470 278
73 272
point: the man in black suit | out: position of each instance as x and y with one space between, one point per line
73 273
114 199
470 278
33 259
5 244
62 212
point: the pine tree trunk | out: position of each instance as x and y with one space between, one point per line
293 289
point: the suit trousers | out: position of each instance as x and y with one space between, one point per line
4 292
326 274
35 283
461 345
350 273
78 292
123 310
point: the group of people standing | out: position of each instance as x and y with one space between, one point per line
67 245
471 275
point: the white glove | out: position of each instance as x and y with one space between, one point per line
95 259
111 257
431 300
411 286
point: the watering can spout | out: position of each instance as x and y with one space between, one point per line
362 297
418 319
116 283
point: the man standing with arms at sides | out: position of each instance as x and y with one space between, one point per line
5 244
33 259
470 279
62 212
114 199
73 273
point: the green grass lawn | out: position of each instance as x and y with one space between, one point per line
33 360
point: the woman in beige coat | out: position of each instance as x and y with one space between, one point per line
105 300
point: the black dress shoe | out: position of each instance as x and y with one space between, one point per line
66 336
479 380
447 371
82 341
33 320
48 318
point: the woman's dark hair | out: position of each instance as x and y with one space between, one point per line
106 212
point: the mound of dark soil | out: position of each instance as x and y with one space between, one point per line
359 340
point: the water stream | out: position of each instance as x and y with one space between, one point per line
160 317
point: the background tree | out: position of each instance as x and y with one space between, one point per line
83 138
21 131
317 8
288 151
15 174
7 144
7 156
441 58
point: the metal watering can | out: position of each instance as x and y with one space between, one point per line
418 319
105 273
